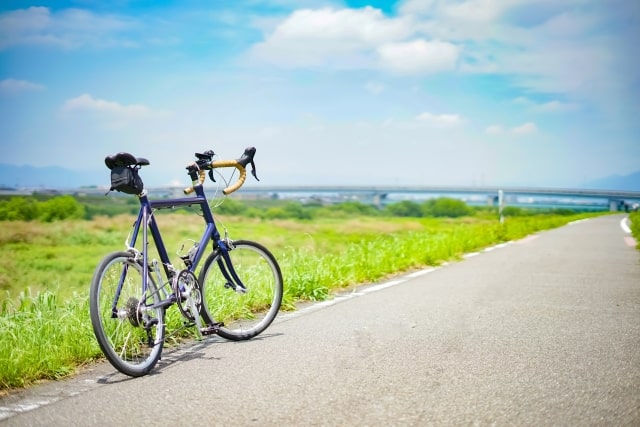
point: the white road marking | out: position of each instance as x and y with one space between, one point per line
624 224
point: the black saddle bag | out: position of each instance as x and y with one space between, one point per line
126 180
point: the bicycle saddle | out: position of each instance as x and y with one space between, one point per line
124 159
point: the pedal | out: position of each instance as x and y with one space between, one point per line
211 329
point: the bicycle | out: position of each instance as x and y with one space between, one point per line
236 294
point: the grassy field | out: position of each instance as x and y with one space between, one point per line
46 269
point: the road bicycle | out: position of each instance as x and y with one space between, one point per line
236 293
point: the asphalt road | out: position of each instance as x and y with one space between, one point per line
540 332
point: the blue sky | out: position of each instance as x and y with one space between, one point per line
415 92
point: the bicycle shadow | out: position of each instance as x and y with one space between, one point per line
196 351
183 353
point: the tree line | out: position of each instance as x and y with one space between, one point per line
31 208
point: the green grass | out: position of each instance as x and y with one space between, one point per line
44 338
46 269
635 226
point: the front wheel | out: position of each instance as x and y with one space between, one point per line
244 312
129 329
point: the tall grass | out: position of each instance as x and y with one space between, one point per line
42 337
312 274
47 334
635 226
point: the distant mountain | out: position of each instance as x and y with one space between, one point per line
616 182
52 177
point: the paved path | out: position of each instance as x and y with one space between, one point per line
543 331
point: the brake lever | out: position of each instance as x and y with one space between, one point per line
253 171
211 175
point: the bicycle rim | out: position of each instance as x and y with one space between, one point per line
244 314
131 337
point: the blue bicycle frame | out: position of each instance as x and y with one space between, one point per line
147 221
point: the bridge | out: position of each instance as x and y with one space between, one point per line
611 199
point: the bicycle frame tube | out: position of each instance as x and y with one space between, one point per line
210 232
146 220
116 297
142 215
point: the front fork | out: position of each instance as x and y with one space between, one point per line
226 267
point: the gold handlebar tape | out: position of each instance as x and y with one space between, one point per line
222 164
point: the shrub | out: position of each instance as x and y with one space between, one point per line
19 209
231 207
355 208
297 211
446 207
275 213
63 207
29 209
405 208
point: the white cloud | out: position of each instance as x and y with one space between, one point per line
338 37
419 56
366 26
538 44
571 48
567 24
553 106
494 130
484 11
445 120
417 7
460 22
86 102
67 28
354 38
525 129
14 85
556 107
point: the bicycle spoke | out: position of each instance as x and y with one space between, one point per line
132 341
245 312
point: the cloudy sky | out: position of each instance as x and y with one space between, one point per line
416 92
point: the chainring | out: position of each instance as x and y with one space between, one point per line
186 288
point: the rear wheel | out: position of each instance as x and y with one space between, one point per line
129 331
244 312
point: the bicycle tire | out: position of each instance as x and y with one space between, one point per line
245 315
133 337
